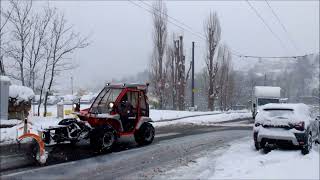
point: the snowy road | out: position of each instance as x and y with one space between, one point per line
173 146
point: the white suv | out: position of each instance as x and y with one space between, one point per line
280 124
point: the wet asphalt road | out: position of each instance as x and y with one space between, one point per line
172 145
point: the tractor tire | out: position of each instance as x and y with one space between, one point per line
102 139
145 134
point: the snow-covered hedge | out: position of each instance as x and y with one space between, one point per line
20 93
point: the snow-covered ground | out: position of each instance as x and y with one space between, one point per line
158 115
242 161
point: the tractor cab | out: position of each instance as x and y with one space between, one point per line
119 105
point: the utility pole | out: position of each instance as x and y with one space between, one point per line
72 85
192 77
265 79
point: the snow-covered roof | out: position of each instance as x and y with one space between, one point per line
267 91
21 93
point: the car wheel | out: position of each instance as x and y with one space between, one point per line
266 149
257 145
308 146
102 139
145 134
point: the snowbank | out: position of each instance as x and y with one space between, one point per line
207 119
9 135
242 161
9 122
21 93
158 115
5 78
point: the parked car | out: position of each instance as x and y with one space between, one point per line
36 100
283 124
53 100
69 99
88 98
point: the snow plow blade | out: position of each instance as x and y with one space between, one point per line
39 151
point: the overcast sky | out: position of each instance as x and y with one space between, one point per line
121 33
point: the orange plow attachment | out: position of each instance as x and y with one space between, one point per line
41 154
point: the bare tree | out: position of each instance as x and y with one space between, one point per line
4 19
224 80
47 52
63 42
171 59
22 23
159 42
213 34
36 52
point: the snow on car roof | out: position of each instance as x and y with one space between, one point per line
294 106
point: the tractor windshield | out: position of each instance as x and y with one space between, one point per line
108 95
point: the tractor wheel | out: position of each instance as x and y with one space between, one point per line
102 139
145 134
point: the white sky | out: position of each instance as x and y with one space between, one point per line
121 33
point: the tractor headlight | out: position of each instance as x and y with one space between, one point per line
111 105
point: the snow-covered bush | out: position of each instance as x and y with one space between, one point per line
19 101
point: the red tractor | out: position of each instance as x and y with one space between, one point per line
119 113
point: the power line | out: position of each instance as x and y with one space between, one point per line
174 19
264 22
201 36
151 12
276 57
283 27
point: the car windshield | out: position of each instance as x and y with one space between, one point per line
108 95
279 112
263 101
